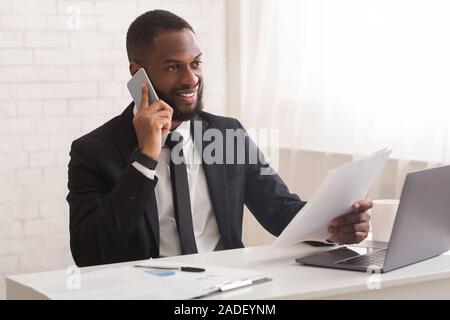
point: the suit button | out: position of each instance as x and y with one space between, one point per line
131 200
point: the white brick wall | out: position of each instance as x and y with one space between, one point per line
16 56
57 84
11 39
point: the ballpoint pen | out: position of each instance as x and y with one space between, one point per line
184 268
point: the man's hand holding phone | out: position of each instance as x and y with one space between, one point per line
151 122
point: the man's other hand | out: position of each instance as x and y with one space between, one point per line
352 227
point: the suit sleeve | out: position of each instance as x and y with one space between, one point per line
101 220
266 195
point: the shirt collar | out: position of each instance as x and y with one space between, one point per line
184 129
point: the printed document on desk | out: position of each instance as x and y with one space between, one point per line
149 284
341 187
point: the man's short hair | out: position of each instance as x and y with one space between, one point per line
147 26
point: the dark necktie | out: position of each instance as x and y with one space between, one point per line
180 191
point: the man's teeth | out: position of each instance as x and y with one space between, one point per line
186 95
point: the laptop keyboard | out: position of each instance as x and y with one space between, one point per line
373 258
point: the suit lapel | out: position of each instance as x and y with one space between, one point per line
216 178
127 142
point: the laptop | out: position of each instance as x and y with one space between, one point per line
421 229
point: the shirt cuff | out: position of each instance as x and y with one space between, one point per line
144 170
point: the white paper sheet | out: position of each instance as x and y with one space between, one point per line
339 190
140 283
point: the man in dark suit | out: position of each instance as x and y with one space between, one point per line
130 199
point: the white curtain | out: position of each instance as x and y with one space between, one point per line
349 76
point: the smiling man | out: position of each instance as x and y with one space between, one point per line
130 200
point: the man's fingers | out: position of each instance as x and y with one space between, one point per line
350 218
348 238
144 99
162 114
160 105
166 125
352 228
362 205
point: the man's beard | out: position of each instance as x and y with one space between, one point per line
179 115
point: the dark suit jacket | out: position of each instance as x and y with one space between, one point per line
113 212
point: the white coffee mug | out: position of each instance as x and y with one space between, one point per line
382 217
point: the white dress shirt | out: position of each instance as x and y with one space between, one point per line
206 231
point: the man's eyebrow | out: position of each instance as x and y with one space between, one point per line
179 61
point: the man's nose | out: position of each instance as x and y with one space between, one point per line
188 77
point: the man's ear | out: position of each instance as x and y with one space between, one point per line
134 67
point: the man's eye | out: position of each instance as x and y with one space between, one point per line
196 64
172 67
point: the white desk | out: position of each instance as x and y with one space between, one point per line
429 279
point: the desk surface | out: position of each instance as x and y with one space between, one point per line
427 279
